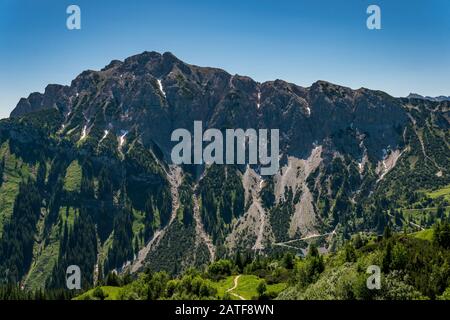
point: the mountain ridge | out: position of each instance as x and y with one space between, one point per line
98 152
53 89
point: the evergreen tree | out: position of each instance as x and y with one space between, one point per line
387 232
80 250
41 174
16 244
387 257
2 170
122 245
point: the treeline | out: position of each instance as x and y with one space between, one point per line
12 292
195 284
78 246
222 200
122 248
137 181
16 244
411 268
2 170
153 286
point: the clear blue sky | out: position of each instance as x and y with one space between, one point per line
298 41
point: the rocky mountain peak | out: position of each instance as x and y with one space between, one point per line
154 93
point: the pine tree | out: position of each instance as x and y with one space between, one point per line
41 174
387 232
387 257
16 244
2 170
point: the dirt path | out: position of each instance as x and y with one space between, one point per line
306 238
236 279
410 222
286 243
416 225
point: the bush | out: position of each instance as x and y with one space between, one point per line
99 294
220 269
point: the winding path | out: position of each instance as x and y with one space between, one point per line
236 279
332 233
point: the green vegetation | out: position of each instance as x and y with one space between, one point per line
413 267
426 234
222 200
16 245
65 202
101 293
442 192
72 180
13 172
78 246
251 287
46 257
85 202
216 282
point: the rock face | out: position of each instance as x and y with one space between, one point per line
347 159
55 96
155 94
436 99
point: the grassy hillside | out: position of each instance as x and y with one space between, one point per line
413 266
72 180
246 288
15 171
101 293
442 192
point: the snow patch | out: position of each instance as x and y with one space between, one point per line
104 136
161 88
123 134
83 133
308 110
361 166
230 83
258 105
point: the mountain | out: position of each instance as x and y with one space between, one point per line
418 96
87 180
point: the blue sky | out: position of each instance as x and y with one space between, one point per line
298 41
